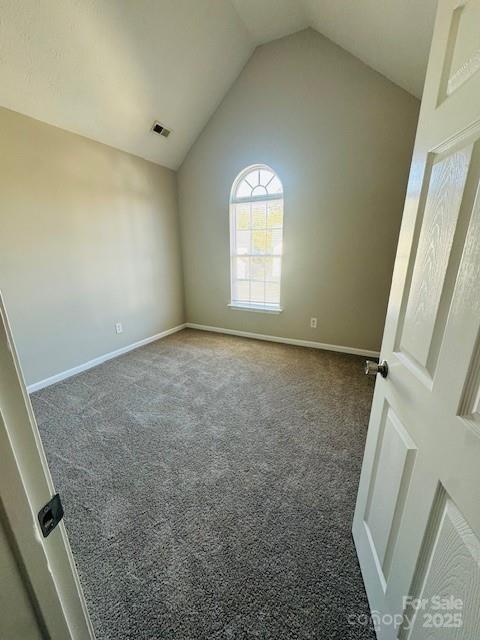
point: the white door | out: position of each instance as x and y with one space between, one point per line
417 519
52 605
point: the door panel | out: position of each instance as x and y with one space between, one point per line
444 198
463 60
417 521
390 479
449 563
451 200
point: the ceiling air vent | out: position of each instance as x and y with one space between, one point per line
160 129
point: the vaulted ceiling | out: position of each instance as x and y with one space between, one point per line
106 69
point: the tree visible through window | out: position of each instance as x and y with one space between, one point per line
256 233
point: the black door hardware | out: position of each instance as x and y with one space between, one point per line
50 515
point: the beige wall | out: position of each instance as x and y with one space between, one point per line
88 236
340 136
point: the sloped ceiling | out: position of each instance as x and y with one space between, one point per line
107 69
268 20
391 36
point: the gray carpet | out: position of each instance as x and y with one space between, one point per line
209 484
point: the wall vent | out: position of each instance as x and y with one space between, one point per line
158 128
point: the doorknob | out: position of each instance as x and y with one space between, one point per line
372 368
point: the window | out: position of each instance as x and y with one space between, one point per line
256 235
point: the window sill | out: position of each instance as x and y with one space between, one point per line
255 307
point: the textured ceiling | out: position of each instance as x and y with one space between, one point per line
108 68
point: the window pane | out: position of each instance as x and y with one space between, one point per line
276 241
257 292
269 242
259 215
242 268
275 186
275 214
243 190
253 178
265 176
272 293
258 242
272 269
259 191
241 291
257 269
243 242
242 215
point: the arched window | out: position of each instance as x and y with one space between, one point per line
256 235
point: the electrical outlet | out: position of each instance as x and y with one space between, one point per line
313 323
118 327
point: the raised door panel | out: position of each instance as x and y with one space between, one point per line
450 196
463 53
441 213
390 480
463 331
444 597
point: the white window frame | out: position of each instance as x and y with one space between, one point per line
253 306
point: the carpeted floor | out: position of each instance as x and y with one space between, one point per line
209 484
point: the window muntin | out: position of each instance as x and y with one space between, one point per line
256 238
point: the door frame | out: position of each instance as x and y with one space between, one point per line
46 564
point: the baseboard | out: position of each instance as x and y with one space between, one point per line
41 384
298 343
63 375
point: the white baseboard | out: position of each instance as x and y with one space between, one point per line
298 343
41 384
36 386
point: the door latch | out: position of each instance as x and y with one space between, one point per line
50 515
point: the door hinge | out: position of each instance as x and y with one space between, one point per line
50 515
